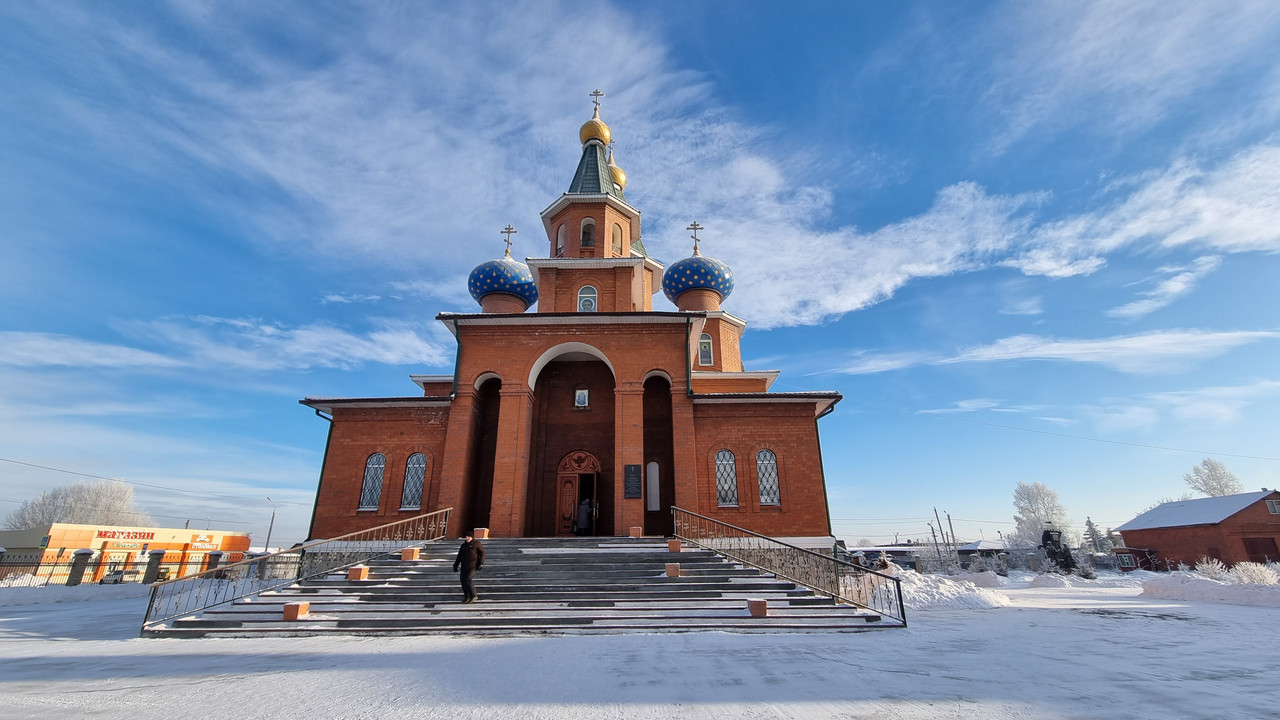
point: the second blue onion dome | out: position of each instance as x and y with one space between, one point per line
697 272
503 275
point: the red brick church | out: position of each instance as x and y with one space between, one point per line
594 397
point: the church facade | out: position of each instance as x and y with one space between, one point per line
593 414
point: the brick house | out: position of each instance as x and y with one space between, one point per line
1231 528
594 398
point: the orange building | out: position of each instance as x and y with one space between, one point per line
119 547
593 415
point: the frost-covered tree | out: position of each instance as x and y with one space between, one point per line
105 503
1094 538
1038 508
1212 478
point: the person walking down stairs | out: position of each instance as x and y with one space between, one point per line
470 559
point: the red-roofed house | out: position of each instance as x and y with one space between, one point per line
1231 528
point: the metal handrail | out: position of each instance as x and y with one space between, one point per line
844 581
191 594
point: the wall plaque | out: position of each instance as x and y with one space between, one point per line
631 482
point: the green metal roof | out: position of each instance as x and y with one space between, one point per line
592 176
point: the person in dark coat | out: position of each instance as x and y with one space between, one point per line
582 524
470 559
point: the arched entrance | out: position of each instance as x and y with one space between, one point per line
577 494
572 416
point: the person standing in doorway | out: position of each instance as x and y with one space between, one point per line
584 517
470 559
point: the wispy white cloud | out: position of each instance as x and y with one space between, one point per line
1217 404
1231 208
345 298
233 343
1147 352
1182 281
252 344
866 363
1161 351
965 406
25 349
1131 64
1023 306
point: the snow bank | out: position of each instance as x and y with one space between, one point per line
935 592
1194 586
64 594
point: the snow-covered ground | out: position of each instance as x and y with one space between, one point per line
1021 647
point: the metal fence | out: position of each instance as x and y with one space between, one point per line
843 581
196 593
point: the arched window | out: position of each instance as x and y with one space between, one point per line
704 350
560 241
415 476
587 299
767 474
588 233
371 490
617 239
726 479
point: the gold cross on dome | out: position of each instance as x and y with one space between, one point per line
695 227
595 97
509 231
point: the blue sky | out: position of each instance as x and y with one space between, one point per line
1027 241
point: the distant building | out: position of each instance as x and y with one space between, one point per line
50 548
1231 528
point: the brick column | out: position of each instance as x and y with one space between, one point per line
684 450
79 563
628 443
155 559
511 461
455 466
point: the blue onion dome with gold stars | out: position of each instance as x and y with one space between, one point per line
697 272
503 275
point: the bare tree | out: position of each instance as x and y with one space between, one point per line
105 503
1212 478
1037 507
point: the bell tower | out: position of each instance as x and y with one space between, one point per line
597 262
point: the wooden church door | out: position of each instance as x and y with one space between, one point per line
576 482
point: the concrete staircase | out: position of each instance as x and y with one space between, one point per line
536 585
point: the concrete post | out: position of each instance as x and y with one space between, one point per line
154 559
1033 562
79 563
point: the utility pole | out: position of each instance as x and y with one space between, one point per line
267 546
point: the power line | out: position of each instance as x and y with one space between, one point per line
132 482
1101 440
152 515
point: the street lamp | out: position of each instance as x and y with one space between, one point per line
267 546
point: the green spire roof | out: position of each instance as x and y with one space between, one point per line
592 176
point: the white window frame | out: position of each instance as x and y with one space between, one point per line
706 347
560 241
589 292
769 484
1273 506
415 478
726 479
371 488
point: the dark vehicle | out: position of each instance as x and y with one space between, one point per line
115 577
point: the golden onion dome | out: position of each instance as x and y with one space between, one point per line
594 129
619 177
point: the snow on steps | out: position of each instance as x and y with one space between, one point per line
536 585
